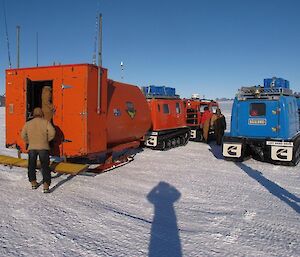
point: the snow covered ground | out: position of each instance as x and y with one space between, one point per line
186 201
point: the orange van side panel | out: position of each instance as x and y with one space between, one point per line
97 122
70 97
173 119
15 106
71 118
128 117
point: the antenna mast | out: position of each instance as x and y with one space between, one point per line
100 41
95 41
37 49
6 30
18 46
122 70
99 63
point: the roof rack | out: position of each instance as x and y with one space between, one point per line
261 92
206 100
297 94
151 96
159 92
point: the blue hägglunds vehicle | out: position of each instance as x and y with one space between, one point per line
265 124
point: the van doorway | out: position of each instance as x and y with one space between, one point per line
34 95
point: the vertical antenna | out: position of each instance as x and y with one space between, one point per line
18 46
37 49
99 63
94 60
100 41
7 40
122 70
95 41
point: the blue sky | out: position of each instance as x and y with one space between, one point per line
210 47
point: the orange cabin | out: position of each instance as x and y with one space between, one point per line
168 123
90 116
167 113
195 109
194 115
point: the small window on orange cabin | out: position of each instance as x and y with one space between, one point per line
178 108
166 108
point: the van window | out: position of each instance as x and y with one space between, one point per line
202 106
166 108
178 108
290 108
214 108
257 109
158 107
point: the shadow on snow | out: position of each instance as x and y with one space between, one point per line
165 240
216 150
284 195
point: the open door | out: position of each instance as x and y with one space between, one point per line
34 95
29 99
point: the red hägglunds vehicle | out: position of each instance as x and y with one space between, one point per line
168 115
195 117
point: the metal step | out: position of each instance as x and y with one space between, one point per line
59 167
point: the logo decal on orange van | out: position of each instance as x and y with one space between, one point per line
131 113
130 109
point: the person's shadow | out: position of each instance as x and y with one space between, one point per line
216 150
165 239
284 195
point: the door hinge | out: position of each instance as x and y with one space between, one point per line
276 129
277 111
65 86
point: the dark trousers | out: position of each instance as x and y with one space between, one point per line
219 133
44 159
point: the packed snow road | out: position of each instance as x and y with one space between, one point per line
186 201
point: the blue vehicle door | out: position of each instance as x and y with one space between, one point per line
257 118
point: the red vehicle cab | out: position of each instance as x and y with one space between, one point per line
194 115
168 116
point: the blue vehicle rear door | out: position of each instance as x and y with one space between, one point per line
257 118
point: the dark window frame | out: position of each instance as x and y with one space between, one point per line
202 106
177 107
257 109
166 109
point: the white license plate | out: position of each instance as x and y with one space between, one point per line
232 150
193 133
279 143
280 153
